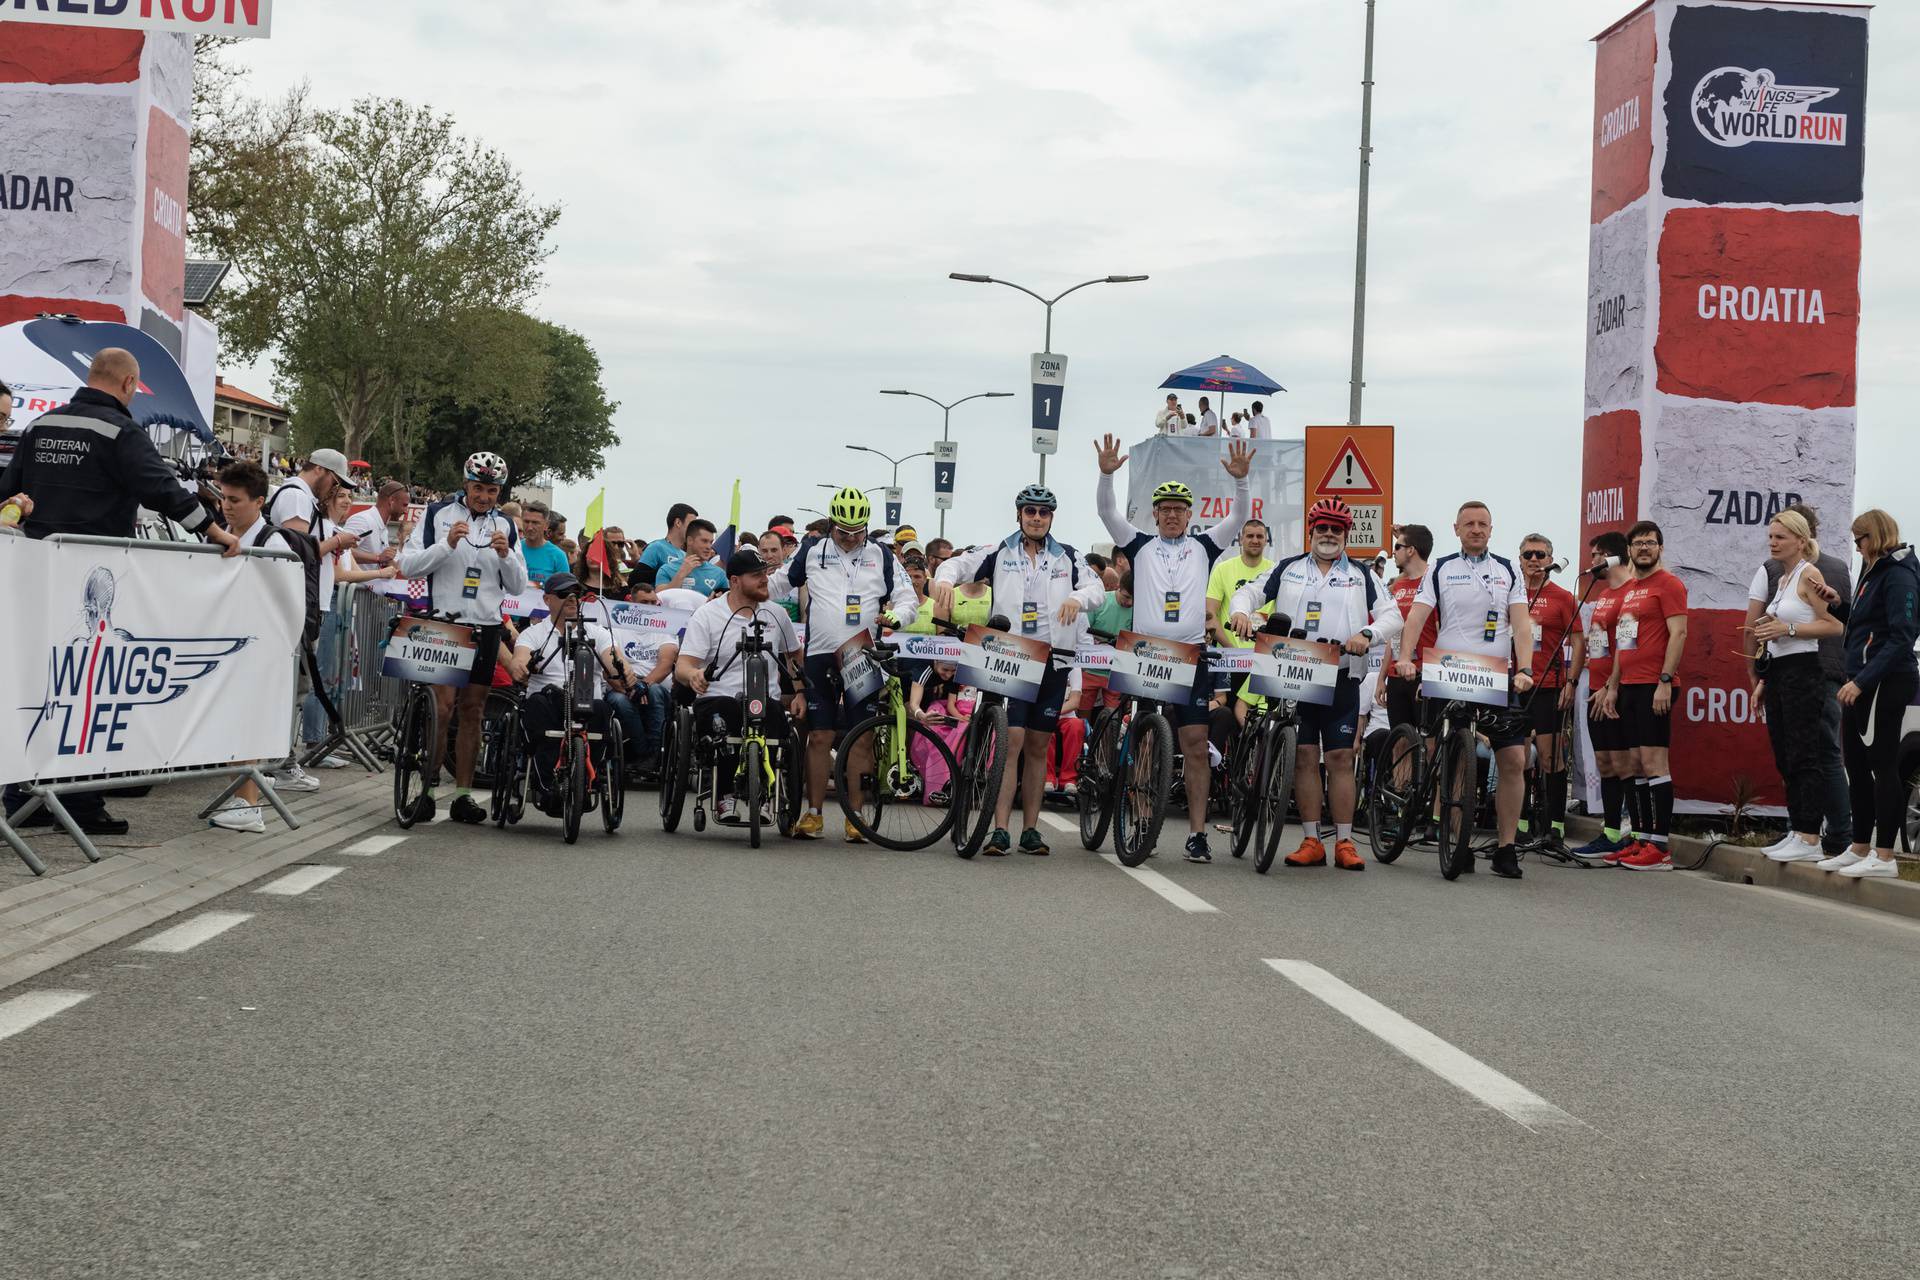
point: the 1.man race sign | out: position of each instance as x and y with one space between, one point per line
241 19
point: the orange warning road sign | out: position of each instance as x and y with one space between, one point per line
1355 464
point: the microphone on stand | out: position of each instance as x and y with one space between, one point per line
1557 565
1600 570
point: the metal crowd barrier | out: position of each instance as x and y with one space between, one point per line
47 795
363 705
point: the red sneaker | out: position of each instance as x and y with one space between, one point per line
1625 851
1648 857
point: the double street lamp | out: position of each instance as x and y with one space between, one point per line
924 453
1046 345
946 419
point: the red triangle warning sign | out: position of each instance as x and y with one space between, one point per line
1350 476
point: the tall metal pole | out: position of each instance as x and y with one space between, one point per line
1358 383
1046 346
946 417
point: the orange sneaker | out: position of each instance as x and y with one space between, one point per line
1346 856
1311 853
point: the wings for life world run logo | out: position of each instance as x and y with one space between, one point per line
1733 106
102 676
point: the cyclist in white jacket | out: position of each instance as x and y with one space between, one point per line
469 554
852 585
1043 588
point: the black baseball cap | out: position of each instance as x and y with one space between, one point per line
561 584
745 560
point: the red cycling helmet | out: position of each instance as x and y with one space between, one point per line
1330 511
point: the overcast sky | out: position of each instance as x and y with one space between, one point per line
762 201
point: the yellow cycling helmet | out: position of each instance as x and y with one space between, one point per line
1173 491
850 509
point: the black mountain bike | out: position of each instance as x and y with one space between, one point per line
1402 804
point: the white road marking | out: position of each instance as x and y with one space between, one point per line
1458 1069
185 937
21 1012
372 845
298 882
1166 888
1060 824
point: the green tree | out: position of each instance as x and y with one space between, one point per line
370 255
534 396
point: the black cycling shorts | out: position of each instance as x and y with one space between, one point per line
1503 727
1403 700
1641 727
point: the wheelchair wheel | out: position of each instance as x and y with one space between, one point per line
613 780
753 773
509 798
793 781
412 753
573 800
676 754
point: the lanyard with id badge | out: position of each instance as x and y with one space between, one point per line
1030 617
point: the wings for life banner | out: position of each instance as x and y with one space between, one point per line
1298 670
130 660
1463 677
429 651
1149 667
639 629
1010 665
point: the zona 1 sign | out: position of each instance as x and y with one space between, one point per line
238 19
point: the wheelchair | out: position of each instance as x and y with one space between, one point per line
581 782
767 767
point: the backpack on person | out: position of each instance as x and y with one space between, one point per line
307 548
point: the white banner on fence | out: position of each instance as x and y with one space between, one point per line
1277 482
129 659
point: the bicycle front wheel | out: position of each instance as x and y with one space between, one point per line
753 789
975 790
412 753
1140 795
882 791
1283 750
1459 798
573 804
1094 791
1243 785
1393 800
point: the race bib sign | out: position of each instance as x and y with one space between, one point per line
1463 677
1149 667
429 651
1009 665
860 675
1295 670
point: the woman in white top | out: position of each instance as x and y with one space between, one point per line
1789 682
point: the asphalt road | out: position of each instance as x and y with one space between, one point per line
477 1054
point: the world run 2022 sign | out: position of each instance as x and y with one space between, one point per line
1723 315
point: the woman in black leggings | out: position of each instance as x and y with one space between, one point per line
1881 679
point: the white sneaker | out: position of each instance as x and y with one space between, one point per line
332 762
244 817
724 810
1874 868
1800 851
1839 862
1786 841
294 778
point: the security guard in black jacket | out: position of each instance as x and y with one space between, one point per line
87 468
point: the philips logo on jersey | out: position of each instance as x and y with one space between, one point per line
1733 106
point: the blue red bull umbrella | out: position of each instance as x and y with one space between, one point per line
1223 374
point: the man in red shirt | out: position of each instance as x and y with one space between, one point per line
1412 545
1649 635
1555 627
1607 563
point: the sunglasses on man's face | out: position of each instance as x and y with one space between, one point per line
1036 511
1533 555
1403 546
1329 528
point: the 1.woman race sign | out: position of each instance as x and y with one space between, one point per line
1463 677
428 651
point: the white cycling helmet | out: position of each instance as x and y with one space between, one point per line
488 468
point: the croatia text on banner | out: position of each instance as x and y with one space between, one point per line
125 660
1300 670
1463 677
1149 667
1013 666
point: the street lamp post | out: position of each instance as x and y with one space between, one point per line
924 453
1047 343
1360 239
946 418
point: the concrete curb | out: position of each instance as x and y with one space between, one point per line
48 922
1742 865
